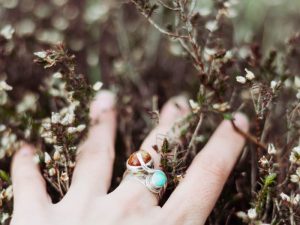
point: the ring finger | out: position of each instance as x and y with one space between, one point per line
132 190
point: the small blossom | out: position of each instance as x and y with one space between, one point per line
252 214
64 177
41 54
295 155
249 74
47 159
56 155
4 86
81 127
242 215
55 117
2 127
97 86
51 172
7 32
273 85
295 178
57 75
285 197
221 106
241 79
71 130
194 105
271 149
263 161
295 199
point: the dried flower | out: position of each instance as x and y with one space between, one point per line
194 105
295 178
295 155
241 79
249 74
4 86
7 32
51 172
285 197
271 149
252 214
47 158
97 86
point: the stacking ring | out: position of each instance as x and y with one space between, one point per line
140 166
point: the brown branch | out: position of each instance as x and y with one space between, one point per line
248 136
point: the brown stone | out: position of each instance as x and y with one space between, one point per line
133 159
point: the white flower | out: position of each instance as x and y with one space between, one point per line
252 214
295 155
285 197
64 176
55 117
273 85
7 32
56 155
212 25
242 215
271 149
52 172
4 86
241 79
298 95
263 161
72 130
296 199
221 106
2 127
295 178
194 105
249 74
97 86
4 217
57 75
47 158
68 118
41 54
81 127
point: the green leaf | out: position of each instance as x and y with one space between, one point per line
4 176
227 116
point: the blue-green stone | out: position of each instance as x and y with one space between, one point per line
158 179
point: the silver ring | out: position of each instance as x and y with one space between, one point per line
140 166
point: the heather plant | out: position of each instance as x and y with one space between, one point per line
183 46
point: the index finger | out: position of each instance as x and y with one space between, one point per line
198 192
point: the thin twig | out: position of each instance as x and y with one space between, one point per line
154 24
248 136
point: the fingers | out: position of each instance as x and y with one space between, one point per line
94 165
174 110
199 190
28 184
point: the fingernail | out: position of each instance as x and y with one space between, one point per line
105 100
241 120
26 150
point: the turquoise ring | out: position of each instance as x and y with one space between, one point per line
140 166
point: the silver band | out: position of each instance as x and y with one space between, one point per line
154 179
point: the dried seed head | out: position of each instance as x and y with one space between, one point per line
64 177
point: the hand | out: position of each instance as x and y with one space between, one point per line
87 201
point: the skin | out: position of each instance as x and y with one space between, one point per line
87 201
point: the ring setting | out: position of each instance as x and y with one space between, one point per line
140 166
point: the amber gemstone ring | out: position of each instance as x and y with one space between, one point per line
140 167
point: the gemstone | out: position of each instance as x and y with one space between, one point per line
134 161
158 179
